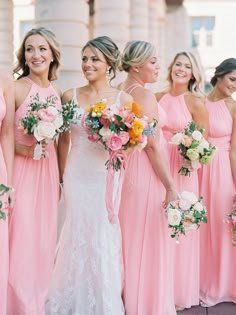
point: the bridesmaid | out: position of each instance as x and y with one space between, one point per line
33 224
146 243
183 102
218 183
6 171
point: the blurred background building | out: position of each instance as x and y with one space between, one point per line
205 27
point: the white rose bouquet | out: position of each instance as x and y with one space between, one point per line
43 120
185 214
193 147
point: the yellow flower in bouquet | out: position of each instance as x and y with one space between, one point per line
97 108
137 109
136 131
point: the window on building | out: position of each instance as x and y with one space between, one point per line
25 26
203 31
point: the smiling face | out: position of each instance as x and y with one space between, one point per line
150 70
94 64
227 84
181 71
38 54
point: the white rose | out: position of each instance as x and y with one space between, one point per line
173 217
58 122
52 110
195 164
44 130
184 204
204 144
105 132
197 135
190 196
198 206
190 227
177 138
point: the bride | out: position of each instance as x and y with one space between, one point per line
87 277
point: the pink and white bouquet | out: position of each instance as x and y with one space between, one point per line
118 129
193 147
185 214
231 220
43 120
3 204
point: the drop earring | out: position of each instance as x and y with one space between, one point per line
108 73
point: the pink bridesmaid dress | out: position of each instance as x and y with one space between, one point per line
4 255
187 253
218 256
147 247
33 224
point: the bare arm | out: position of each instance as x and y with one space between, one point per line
7 131
197 108
63 142
153 148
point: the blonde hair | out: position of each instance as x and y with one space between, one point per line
50 37
109 50
196 82
136 53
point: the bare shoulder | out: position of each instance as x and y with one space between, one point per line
231 104
159 95
125 98
6 78
57 88
67 95
193 100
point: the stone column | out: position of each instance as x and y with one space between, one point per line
139 15
6 34
69 21
112 19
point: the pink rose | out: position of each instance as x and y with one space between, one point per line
124 137
115 143
105 122
93 137
48 114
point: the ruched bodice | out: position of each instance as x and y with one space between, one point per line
219 134
20 136
177 112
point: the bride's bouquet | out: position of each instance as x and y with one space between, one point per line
193 147
43 120
3 190
185 214
231 220
118 129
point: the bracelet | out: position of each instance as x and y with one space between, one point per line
61 185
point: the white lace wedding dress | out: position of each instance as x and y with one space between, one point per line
87 277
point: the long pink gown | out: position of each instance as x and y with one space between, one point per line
147 247
187 252
4 255
33 224
218 256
